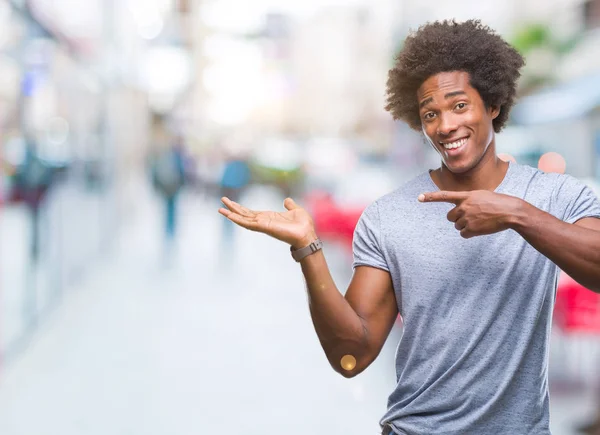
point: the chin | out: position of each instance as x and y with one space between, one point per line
458 168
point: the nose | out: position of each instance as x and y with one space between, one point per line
447 124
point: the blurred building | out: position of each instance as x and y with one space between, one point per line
559 110
275 70
75 91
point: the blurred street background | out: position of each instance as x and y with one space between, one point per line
128 305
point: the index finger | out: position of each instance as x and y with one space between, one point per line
444 196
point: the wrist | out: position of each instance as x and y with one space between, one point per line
305 241
517 218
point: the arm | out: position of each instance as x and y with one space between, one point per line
574 248
356 324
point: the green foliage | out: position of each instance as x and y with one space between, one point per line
532 36
538 35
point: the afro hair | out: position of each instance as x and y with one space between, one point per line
492 64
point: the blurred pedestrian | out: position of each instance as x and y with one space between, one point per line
234 180
168 175
471 266
235 177
32 181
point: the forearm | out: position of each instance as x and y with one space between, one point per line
574 249
339 328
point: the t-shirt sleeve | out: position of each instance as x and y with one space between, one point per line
366 245
575 200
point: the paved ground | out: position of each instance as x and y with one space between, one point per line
216 340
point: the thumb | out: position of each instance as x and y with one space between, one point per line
289 204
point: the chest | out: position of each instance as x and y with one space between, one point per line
431 263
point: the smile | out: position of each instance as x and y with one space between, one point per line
455 144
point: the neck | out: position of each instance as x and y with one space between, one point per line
486 175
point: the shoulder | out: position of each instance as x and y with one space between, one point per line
549 180
534 180
561 195
526 172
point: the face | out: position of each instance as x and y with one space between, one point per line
455 120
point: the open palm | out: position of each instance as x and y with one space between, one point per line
295 226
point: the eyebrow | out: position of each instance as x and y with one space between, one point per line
426 101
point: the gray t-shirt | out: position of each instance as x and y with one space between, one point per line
473 358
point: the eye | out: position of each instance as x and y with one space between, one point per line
460 106
428 115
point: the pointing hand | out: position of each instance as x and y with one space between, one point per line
477 212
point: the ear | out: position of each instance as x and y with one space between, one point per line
494 111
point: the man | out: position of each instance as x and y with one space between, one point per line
168 177
466 253
234 180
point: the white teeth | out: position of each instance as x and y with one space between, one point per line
454 145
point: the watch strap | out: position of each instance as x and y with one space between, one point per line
299 254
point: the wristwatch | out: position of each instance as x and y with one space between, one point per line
299 254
